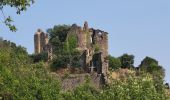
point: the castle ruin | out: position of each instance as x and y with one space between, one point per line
41 43
92 43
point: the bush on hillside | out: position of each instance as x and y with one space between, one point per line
39 57
129 88
114 63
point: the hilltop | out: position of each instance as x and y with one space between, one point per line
24 76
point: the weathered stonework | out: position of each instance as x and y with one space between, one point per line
73 81
93 47
92 44
41 43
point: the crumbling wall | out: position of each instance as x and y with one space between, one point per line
73 81
91 42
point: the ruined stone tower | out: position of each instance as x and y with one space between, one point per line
40 40
41 43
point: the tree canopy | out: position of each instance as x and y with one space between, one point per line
58 35
64 46
152 66
22 79
127 61
114 63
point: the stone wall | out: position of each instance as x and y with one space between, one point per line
73 81
90 42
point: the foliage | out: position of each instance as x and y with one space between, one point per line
9 50
58 35
60 61
151 65
134 88
127 61
39 57
84 92
71 43
130 88
22 80
19 5
114 63
73 53
96 48
64 47
66 61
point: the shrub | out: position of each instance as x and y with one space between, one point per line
114 63
129 88
39 57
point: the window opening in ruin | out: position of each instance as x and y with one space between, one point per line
99 33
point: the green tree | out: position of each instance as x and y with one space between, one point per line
151 65
114 63
58 35
19 5
23 80
64 46
127 61
59 61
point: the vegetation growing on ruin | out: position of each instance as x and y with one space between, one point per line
58 35
72 42
64 47
96 48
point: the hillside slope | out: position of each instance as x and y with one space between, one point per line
20 79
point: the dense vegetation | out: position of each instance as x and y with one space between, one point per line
148 64
131 88
27 77
21 79
64 47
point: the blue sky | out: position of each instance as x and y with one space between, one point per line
138 27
